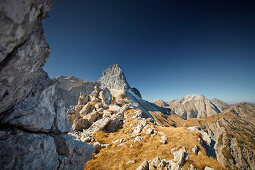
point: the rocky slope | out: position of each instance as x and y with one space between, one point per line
194 106
123 139
33 124
231 133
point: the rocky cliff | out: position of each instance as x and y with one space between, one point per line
33 123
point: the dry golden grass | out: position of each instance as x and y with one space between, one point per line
116 157
94 103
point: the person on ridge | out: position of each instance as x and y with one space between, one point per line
112 100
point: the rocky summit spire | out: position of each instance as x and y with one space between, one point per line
114 79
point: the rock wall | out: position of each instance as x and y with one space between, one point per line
33 123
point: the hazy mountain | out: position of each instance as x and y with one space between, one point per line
193 106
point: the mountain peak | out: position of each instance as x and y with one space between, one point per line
193 97
114 79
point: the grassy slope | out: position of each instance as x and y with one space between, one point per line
116 157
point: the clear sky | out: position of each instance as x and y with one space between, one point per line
167 48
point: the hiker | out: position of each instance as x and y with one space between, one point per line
112 100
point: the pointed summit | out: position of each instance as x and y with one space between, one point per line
114 79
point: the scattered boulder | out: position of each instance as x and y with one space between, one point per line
105 95
143 166
98 125
85 110
149 131
180 158
138 139
83 99
114 108
191 167
91 117
208 168
157 163
140 126
195 149
163 139
80 124
130 162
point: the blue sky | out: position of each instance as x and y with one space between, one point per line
167 49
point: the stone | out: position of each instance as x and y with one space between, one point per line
140 126
208 168
100 110
98 106
138 139
149 131
91 117
114 108
116 141
83 99
143 166
85 110
80 124
98 125
155 163
107 113
123 108
95 92
163 140
191 167
105 96
115 123
97 147
180 158
130 162
138 114
195 149
94 98
161 133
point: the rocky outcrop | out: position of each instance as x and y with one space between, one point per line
114 79
177 163
33 122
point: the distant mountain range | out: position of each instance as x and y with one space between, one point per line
194 106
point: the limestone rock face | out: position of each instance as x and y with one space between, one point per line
32 115
27 151
114 79
28 113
